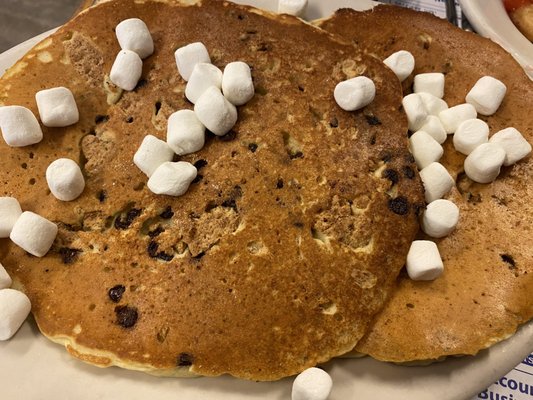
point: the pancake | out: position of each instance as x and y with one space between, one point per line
285 246
485 291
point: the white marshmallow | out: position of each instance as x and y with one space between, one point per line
9 213
237 84
126 70
453 116
57 107
312 384
5 279
433 104
423 261
437 181
292 7
65 179
133 34
470 134
434 128
203 76
185 133
14 309
19 126
415 110
188 56
514 144
172 178
402 63
425 149
355 93
151 154
34 233
215 111
483 164
440 218
486 95
431 82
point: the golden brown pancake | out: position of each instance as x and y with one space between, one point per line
284 247
485 291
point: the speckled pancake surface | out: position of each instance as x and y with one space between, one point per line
284 247
485 291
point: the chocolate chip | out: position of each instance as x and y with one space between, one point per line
129 120
391 175
509 260
334 122
408 172
116 292
399 205
101 118
157 107
199 255
386 158
198 178
409 305
167 213
200 164
297 154
68 256
230 203
102 194
126 222
279 184
126 316
140 84
372 120
152 252
185 360
252 147
156 232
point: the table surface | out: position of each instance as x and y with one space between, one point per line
23 19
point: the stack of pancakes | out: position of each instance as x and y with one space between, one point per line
288 248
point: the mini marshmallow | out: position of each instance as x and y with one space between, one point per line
423 261
172 178
433 104
65 179
483 164
34 233
486 95
355 93
453 116
292 7
514 144
312 384
437 181
19 126
440 218
126 70
415 110
185 133
402 63
151 154
434 128
133 34
425 149
188 56
470 134
237 84
57 107
215 112
14 309
203 76
431 82
5 279
9 213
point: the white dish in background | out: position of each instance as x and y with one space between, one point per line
31 367
489 19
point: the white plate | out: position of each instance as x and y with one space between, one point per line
31 367
489 19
